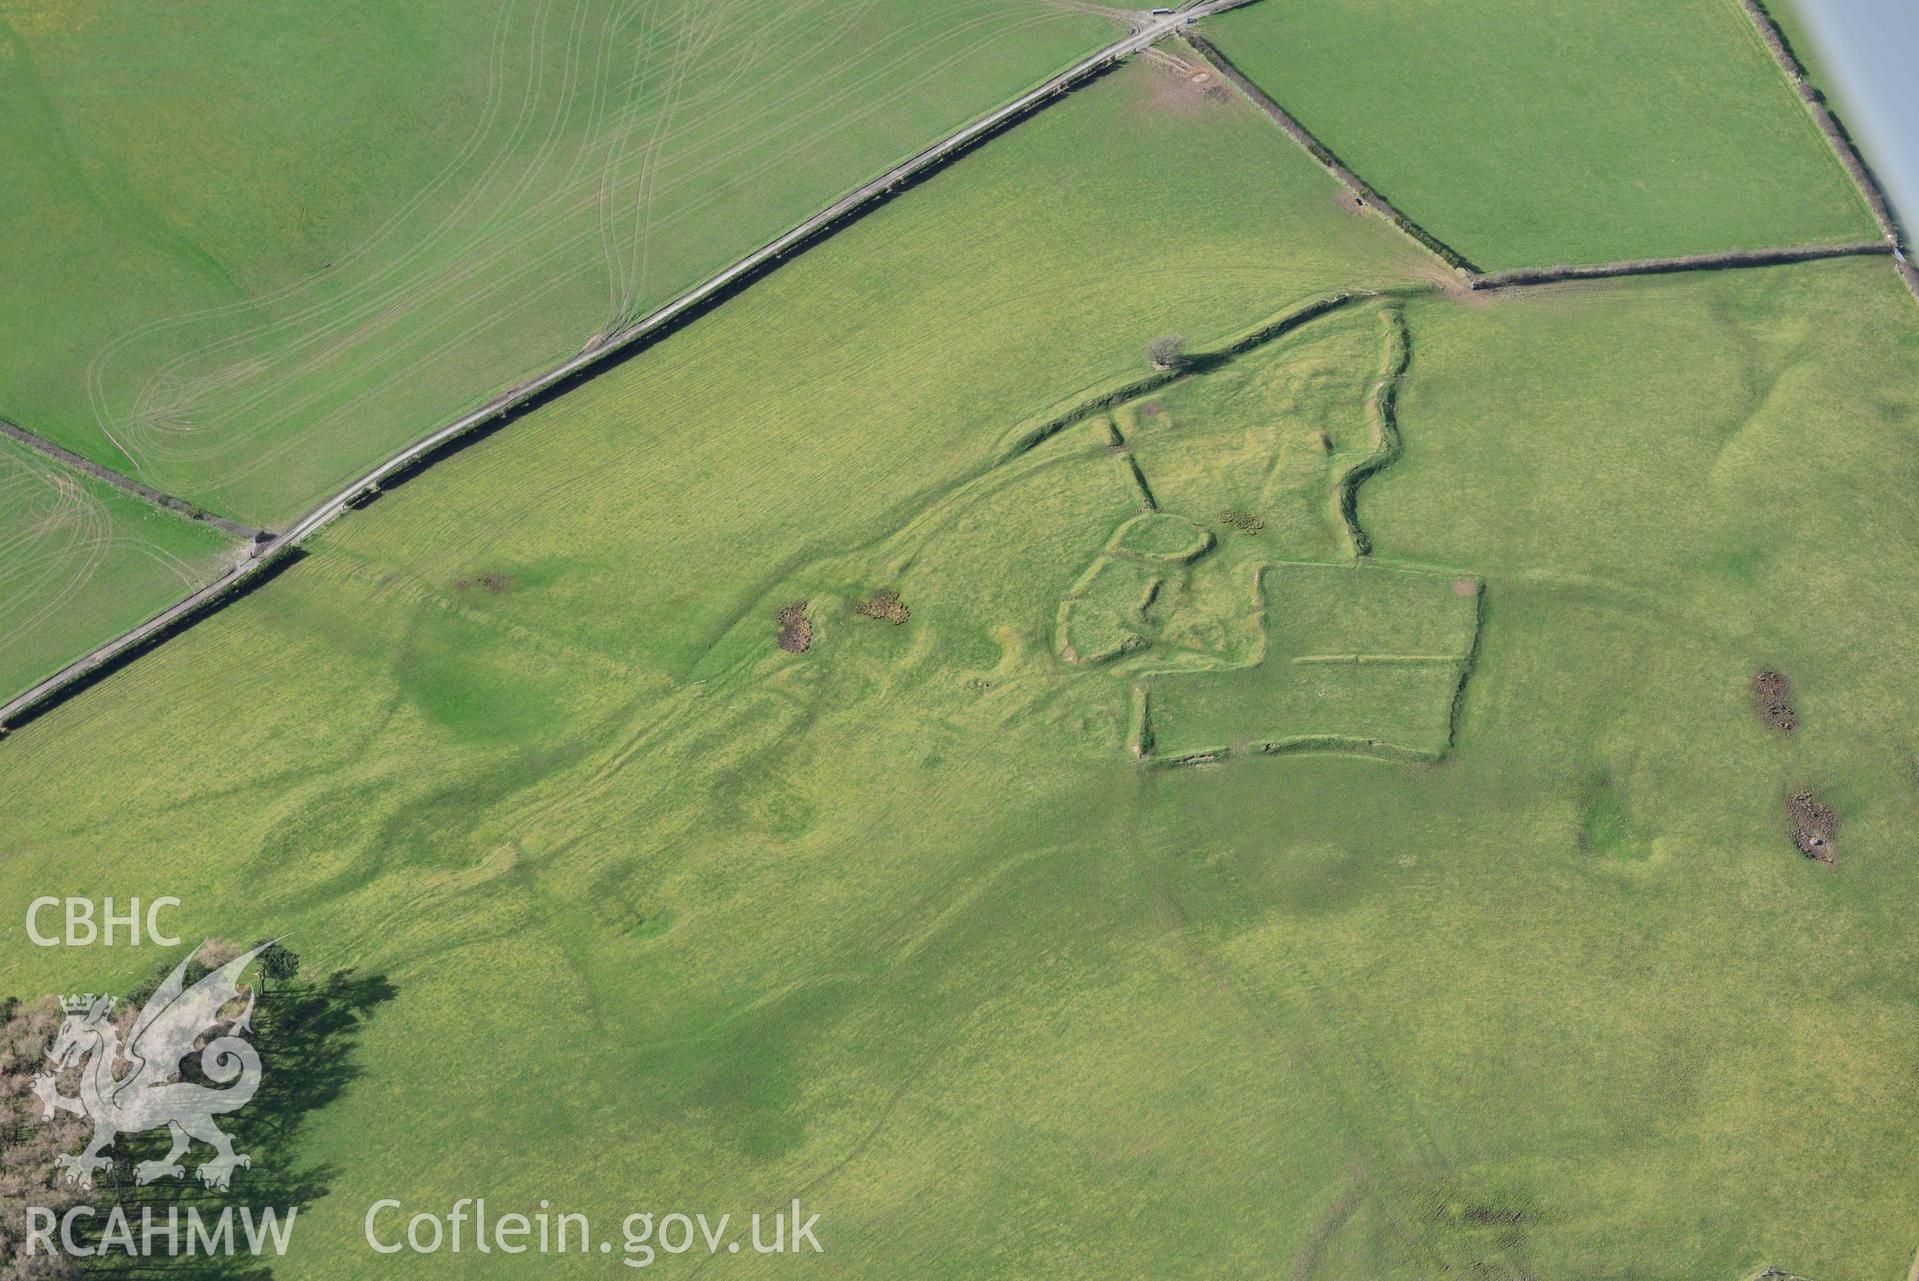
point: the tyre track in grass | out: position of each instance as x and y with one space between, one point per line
171 408
276 550
502 239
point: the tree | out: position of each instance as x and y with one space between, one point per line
279 964
29 1141
1167 352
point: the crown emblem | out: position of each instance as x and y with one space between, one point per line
81 1004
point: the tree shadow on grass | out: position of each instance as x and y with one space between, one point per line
308 1040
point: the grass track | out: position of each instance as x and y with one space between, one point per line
1527 134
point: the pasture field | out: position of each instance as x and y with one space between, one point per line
1534 134
897 926
81 562
677 919
253 248
1668 485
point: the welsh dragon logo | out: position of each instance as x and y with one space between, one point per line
148 1093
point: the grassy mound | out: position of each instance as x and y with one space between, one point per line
1161 536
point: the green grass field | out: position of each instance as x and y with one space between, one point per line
1666 486
81 562
899 925
895 924
1532 134
252 248
679 920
